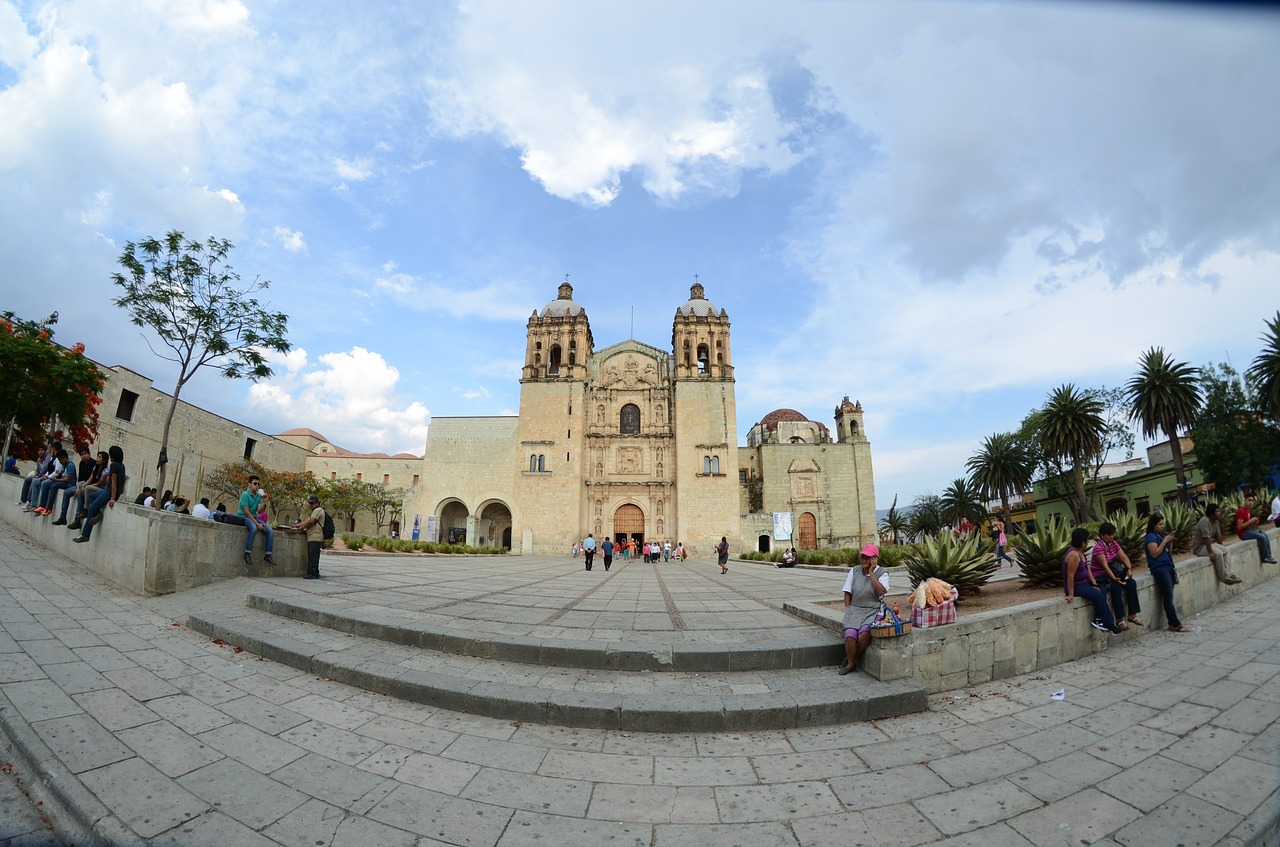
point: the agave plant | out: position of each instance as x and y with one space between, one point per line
1131 532
1182 520
1040 553
952 560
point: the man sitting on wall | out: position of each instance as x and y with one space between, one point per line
1246 529
111 489
1208 542
201 509
89 473
251 503
63 480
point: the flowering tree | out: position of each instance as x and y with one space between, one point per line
188 294
44 385
288 490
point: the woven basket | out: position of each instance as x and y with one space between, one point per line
889 630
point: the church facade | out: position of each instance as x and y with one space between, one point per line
635 442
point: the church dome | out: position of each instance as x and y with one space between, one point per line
698 305
771 420
563 305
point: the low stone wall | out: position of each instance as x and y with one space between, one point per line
1017 640
154 552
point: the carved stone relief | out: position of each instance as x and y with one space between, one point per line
629 460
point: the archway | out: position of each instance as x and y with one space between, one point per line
628 524
493 529
808 534
762 543
453 523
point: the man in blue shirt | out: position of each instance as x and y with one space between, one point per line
606 550
589 549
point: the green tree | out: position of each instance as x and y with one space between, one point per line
1070 428
1264 373
925 518
1002 468
894 523
1235 445
44 386
189 295
962 499
288 490
1163 397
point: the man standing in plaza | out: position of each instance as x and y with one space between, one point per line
1246 528
250 504
1208 542
589 549
606 550
313 526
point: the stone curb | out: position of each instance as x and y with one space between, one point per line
616 656
64 796
838 703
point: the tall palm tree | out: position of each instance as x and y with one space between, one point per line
1071 428
1001 468
1264 373
894 523
961 500
1164 396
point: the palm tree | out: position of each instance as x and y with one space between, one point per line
1165 396
1071 427
961 500
1001 468
894 523
1264 373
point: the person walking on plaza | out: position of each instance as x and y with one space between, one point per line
722 554
589 549
251 504
606 550
666 550
1208 542
866 583
1160 563
1246 529
1002 541
313 526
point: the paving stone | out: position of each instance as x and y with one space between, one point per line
534 793
497 754
722 835
212 828
977 806
907 824
1132 746
887 786
262 714
1197 823
40 699
782 801
146 800
1054 742
1181 718
104 658
965 769
334 743
243 793
252 747
207 689
172 751
439 774
188 713
1250 716
997 835
688 770
597 767
1238 784
1085 817
312 824
1207 747
425 739
920 748
798 767
140 683
324 779
434 815
115 709
49 652
1151 782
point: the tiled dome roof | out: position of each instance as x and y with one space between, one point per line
771 420
698 305
563 305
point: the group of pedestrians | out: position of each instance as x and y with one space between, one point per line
627 549
90 486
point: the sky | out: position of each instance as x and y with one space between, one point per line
942 210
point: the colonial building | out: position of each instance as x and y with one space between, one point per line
635 442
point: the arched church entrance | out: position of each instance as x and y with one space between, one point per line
494 526
628 524
808 532
453 523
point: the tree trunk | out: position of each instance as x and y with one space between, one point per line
1082 514
1179 470
164 444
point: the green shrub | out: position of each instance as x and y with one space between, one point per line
353 542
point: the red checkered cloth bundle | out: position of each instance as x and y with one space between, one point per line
935 615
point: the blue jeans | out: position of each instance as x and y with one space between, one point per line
1122 594
1099 600
252 527
1000 554
1264 543
1163 578
49 493
97 503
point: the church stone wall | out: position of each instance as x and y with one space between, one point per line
707 505
552 506
471 461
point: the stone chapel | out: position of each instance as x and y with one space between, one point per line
632 441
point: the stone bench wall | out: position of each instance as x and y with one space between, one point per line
154 552
1007 642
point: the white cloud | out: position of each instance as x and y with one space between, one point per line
355 170
351 397
290 240
477 393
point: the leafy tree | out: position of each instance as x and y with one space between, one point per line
189 295
961 500
42 385
1264 373
925 518
1002 468
342 497
1164 396
1235 445
1070 428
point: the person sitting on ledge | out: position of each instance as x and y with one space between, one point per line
1207 541
866 583
87 486
788 559
251 507
1078 581
201 510
1246 530
112 489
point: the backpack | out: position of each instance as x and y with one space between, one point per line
327 528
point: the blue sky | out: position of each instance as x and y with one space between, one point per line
943 210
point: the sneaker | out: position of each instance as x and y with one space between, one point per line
1115 630
79 539
95 520
1097 623
1270 561
270 561
59 522
74 524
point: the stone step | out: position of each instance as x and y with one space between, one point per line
656 652
629 700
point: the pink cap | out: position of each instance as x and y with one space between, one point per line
870 550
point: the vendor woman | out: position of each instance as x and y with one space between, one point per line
866 584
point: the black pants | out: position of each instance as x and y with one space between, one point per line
313 558
608 560
590 554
